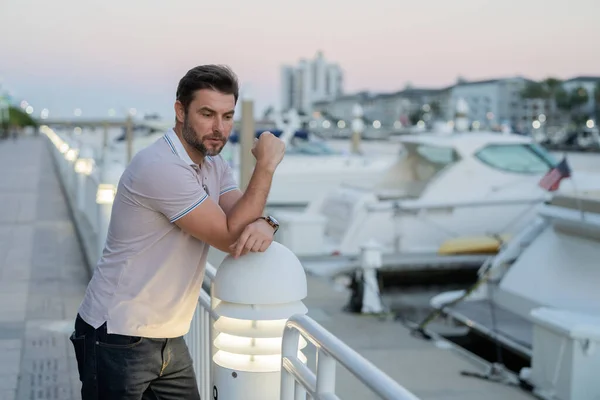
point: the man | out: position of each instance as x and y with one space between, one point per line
176 198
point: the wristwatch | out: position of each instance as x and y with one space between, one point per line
272 221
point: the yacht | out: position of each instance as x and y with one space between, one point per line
538 301
458 193
312 167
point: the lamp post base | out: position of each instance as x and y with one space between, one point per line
232 384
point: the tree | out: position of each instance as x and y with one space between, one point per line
563 100
19 118
549 90
552 85
579 97
435 108
415 116
16 119
534 90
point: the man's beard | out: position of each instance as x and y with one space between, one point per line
191 138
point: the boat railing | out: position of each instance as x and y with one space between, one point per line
90 199
415 206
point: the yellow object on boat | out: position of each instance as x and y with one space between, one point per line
473 245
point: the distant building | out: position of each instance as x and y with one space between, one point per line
492 103
408 104
388 108
308 82
590 84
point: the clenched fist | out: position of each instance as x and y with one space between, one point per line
268 150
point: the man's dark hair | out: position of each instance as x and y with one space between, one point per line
215 77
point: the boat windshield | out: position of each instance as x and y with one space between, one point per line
419 164
311 148
521 158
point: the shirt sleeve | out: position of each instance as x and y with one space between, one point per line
168 188
228 182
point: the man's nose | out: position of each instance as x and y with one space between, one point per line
218 125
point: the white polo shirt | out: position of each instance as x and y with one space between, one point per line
149 277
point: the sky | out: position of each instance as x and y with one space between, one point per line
97 55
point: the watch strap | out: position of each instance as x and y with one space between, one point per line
270 221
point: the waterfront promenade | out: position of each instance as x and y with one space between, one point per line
43 277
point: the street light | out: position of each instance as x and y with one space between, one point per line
71 155
85 162
255 295
63 147
105 196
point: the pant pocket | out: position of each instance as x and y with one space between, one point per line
79 347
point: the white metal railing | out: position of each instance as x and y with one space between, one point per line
297 379
91 215
81 193
201 336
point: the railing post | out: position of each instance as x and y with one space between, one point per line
111 173
257 293
84 165
325 373
289 349
213 334
63 148
70 175
300 393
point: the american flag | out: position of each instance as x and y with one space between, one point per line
551 181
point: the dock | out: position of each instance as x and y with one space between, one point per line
430 370
43 276
395 263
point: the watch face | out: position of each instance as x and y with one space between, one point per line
274 220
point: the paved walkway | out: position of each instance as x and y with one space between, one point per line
42 277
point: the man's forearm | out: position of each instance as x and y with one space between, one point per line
251 205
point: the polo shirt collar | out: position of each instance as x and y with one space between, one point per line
177 148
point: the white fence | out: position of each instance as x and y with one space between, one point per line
90 196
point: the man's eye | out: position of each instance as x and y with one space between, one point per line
206 114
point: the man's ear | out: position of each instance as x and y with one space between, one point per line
179 112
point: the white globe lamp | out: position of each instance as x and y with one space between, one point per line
255 295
